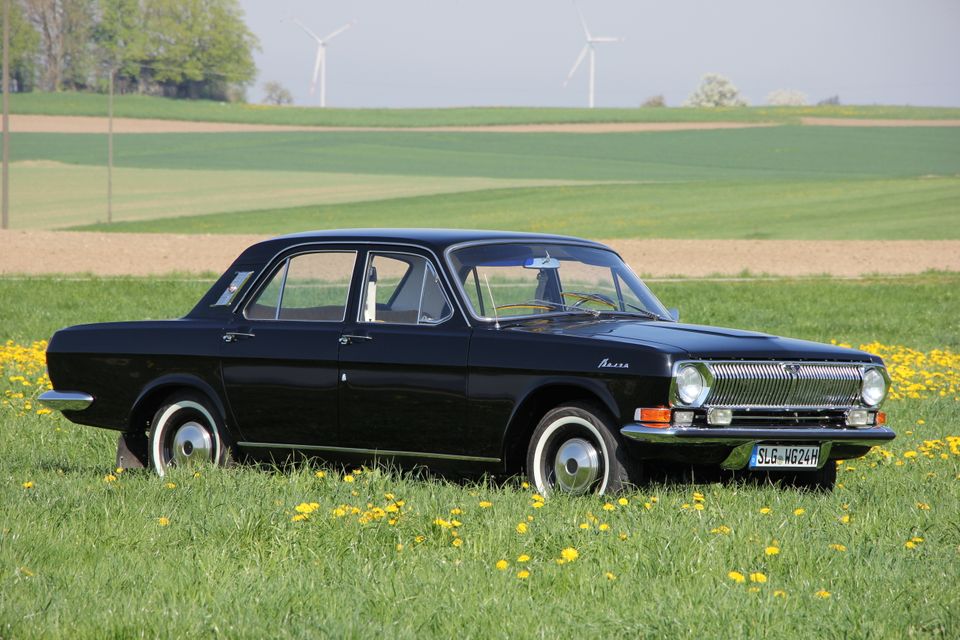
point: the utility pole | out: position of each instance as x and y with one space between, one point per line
6 115
109 149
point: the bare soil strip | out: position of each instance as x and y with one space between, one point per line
149 254
90 124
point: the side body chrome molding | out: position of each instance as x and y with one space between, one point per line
372 452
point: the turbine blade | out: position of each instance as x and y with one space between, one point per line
339 31
321 51
304 27
586 31
606 39
576 65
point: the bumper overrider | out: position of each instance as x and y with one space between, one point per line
66 400
741 440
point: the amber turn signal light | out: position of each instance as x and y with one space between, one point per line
653 414
881 417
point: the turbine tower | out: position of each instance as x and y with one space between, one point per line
320 64
591 49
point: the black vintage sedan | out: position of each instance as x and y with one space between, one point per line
468 351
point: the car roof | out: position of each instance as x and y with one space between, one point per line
437 240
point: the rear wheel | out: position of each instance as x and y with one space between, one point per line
186 432
574 450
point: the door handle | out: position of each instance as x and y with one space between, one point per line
233 336
350 339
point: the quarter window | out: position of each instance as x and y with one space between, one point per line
308 286
402 288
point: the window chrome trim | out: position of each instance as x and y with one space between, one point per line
358 245
375 452
563 241
284 264
363 292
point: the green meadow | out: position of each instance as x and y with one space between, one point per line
776 182
86 552
134 106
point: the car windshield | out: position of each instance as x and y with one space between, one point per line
529 279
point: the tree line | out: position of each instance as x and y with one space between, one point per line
174 48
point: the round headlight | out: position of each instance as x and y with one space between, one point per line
689 384
874 387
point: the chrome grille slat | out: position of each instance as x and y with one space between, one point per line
784 384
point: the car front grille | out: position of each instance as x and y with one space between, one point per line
784 384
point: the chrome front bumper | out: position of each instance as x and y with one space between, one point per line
66 400
742 440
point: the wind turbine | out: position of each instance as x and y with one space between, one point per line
591 49
320 64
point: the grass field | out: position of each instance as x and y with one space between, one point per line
201 110
87 552
757 183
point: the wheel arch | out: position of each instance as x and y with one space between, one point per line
535 405
153 394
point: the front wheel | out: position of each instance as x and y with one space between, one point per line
574 450
186 432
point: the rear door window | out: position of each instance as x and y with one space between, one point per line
308 287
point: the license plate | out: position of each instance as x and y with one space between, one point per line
784 456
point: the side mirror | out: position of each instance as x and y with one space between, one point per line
674 314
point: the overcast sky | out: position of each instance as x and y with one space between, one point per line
442 53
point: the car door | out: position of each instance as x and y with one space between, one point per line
279 356
403 360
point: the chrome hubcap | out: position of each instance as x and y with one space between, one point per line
576 466
191 444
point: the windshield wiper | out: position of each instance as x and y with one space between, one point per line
547 305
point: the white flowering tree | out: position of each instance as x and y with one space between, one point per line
715 90
787 98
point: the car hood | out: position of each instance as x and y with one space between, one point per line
701 341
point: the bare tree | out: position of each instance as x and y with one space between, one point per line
65 28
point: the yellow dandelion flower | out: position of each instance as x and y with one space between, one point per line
916 539
779 593
171 485
456 523
455 511
524 485
569 554
118 470
523 574
584 525
754 589
321 474
823 594
457 542
648 505
737 577
604 527
758 577
772 550
766 510
502 565
623 502
838 547
698 506
610 576
300 517
923 506
623 536
348 479
419 539
109 478
537 505
485 504
799 511
163 521
845 519
523 558
399 547
537 497
608 507
522 528
28 484
721 530
698 497
910 544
